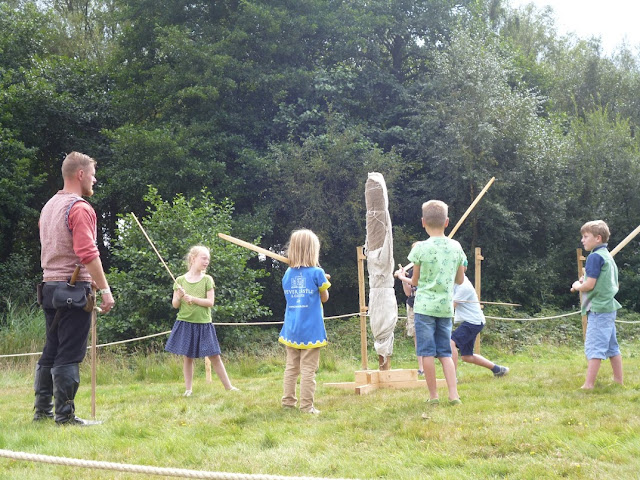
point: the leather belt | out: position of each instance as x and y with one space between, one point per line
78 284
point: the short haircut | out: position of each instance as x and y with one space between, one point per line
595 228
435 213
194 252
75 161
303 249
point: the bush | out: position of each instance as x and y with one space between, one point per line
142 286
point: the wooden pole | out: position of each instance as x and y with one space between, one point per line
94 343
624 242
466 214
471 207
153 246
478 285
363 307
581 260
253 247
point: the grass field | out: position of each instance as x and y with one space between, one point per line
533 424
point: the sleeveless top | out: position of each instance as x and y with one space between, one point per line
57 256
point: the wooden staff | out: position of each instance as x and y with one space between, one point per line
94 342
471 207
489 303
624 242
253 247
466 214
153 246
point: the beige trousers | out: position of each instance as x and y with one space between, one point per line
303 362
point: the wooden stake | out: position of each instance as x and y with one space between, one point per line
581 259
478 286
207 369
363 307
94 342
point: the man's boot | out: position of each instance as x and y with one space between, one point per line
66 380
43 387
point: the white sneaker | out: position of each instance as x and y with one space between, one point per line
313 411
187 393
503 371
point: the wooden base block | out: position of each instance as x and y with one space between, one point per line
368 381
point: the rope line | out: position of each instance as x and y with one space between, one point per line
346 315
127 467
121 342
532 319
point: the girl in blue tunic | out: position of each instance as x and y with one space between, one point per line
306 288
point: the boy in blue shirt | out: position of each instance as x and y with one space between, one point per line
597 290
438 264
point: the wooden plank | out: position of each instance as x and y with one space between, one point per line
343 385
367 376
365 389
398 375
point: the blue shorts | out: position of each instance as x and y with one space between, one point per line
465 337
600 340
433 336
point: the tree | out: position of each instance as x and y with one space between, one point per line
143 287
319 185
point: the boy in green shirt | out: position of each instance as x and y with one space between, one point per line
598 288
438 263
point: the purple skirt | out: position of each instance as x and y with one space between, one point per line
194 340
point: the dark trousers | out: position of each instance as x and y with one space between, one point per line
66 340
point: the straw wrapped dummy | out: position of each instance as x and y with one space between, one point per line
383 307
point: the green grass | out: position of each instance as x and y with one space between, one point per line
534 423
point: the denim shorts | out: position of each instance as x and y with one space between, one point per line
600 340
433 336
465 337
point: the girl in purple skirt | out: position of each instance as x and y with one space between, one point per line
193 335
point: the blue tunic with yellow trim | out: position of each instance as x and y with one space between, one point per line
303 318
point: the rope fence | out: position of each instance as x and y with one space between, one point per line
346 315
137 339
144 469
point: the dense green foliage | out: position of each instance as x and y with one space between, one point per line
279 108
144 286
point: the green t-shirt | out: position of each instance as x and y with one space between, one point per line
439 259
195 313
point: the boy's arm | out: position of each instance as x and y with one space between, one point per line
460 274
416 276
586 286
406 288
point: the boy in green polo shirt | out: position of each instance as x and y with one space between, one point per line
597 289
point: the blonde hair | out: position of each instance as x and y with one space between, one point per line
303 249
435 213
595 228
76 161
194 252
